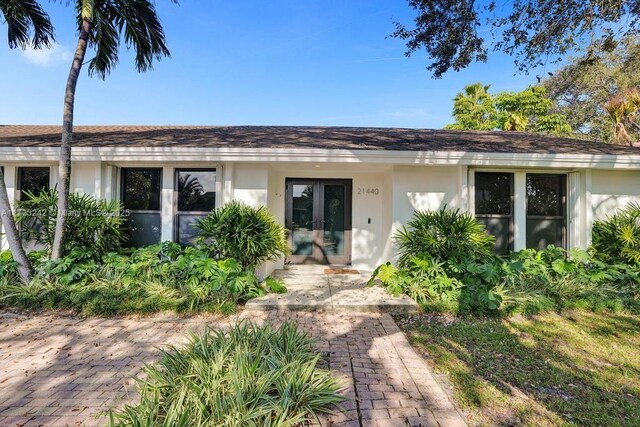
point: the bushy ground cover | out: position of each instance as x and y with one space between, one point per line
248 376
447 263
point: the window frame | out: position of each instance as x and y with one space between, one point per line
511 236
122 185
20 170
564 206
176 195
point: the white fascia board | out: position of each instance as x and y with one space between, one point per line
9 155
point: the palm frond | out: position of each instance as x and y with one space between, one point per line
27 24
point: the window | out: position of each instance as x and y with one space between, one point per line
140 194
546 210
32 180
196 190
494 207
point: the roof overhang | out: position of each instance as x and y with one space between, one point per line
11 155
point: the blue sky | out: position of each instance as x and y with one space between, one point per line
281 62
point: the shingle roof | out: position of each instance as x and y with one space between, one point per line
287 137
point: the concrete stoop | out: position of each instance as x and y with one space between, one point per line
310 288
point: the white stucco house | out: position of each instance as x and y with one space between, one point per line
341 192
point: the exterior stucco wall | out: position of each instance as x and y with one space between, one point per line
611 190
422 187
401 190
370 216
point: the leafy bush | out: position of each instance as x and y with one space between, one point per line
445 235
424 280
248 376
617 237
247 234
275 286
93 224
154 278
466 277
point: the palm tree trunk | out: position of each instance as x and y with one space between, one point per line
64 164
11 231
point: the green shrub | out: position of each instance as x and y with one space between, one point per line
445 235
247 234
275 286
447 263
248 376
154 278
95 225
617 237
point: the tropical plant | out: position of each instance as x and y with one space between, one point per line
247 376
446 235
527 110
93 224
623 109
28 25
616 238
247 234
474 109
423 280
154 278
102 26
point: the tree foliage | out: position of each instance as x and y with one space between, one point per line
474 109
529 110
584 88
455 33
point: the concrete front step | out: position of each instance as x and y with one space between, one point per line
310 289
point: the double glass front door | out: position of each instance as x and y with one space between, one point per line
318 219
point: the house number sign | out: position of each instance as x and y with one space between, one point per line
368 191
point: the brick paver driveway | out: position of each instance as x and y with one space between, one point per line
61 370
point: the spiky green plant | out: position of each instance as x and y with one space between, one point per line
248 376
92 223
616 238
247 234
445 234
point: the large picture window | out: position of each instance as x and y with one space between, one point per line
140 193
546 210
196 190
494 207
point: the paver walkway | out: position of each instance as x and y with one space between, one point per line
309 288
57 370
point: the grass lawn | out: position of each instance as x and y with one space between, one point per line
578 368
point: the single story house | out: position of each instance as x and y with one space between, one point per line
341 192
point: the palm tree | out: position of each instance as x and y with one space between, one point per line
28 25
101 26
623 109
474 109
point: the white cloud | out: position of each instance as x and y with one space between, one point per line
47 57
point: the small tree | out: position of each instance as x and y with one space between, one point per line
101 25
474 109
28 25
528 110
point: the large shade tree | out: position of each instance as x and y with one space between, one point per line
584 87
28 25
102 26
455 33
